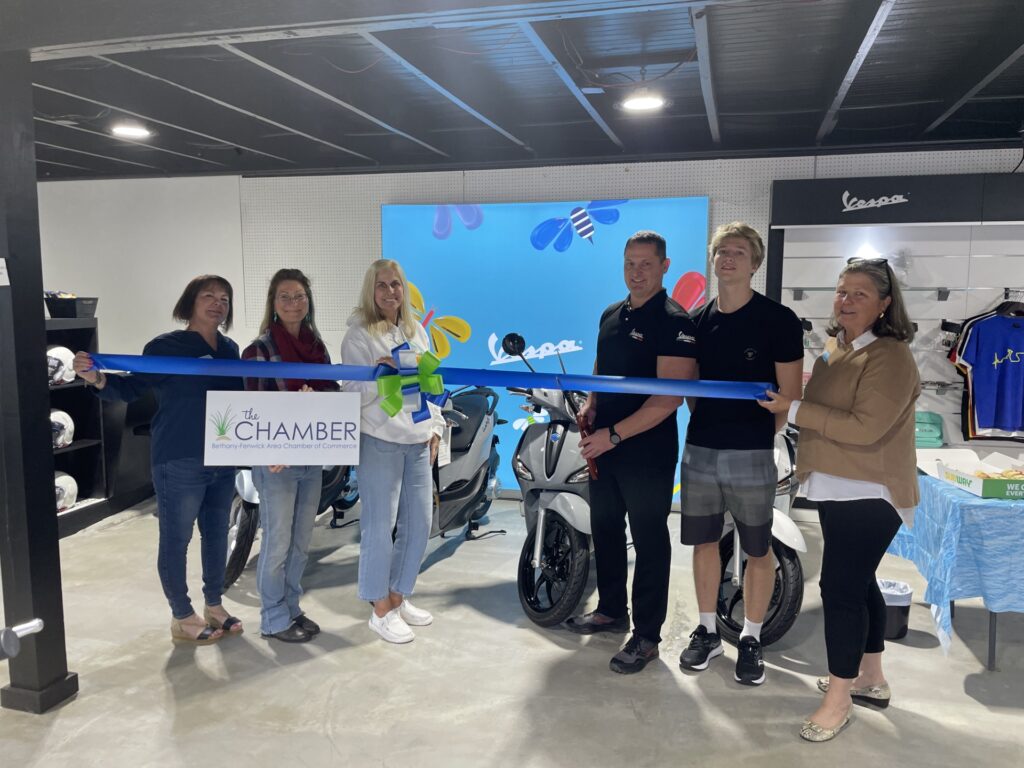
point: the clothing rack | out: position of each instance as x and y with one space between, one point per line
1009 294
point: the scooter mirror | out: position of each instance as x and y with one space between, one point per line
513 344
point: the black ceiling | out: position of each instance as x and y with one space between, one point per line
469 84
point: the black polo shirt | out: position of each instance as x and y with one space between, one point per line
629 343
743 345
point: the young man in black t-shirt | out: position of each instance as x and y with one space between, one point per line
635 443
729 460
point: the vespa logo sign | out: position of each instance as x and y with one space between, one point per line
851 203
531 353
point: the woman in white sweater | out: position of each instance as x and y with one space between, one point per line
395 456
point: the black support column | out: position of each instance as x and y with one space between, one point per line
29 553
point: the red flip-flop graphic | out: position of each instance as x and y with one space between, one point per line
691 291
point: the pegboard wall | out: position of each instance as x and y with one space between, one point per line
329 226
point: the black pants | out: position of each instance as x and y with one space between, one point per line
645 494
856 535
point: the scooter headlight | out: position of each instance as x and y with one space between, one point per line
522 471
580 476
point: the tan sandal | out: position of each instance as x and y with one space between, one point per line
232 625
182 634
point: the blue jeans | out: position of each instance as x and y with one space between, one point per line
396 489
288 503
188 492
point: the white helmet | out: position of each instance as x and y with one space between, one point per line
66 489
60 362
63 428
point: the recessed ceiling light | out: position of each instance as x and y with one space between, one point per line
130 131
643 101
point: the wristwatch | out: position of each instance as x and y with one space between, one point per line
614 436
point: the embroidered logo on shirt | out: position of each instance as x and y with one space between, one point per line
1011 357
750 353
635 334
683 336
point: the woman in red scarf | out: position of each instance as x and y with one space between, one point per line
289 495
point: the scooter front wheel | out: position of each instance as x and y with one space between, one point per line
550 593
784 605
243 522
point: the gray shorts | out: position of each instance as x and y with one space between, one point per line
742 482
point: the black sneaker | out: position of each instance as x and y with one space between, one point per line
749 663
634 656
594 622
294 634
306 624
703 647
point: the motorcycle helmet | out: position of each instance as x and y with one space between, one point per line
63 428
59 362
66 490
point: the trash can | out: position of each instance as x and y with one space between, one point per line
898 596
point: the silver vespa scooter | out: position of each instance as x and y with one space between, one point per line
555 559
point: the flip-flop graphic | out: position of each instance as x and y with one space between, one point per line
691 291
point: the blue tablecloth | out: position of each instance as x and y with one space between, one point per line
965 546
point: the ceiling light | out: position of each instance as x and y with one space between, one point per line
643 101
127 131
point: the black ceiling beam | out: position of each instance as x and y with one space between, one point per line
465 94
638 60
59 29
146 144
257 61
240 110
993 57
544 49
150 120
699 19
875 22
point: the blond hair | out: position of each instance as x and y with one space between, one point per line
367 310
743 231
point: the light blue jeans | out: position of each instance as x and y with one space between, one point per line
288 504
395 488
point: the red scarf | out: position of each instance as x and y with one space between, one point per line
305 349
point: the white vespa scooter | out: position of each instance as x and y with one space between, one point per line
555 559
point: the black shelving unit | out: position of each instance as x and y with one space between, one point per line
85 458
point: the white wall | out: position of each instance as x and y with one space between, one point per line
135 244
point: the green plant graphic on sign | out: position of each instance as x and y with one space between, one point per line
222 421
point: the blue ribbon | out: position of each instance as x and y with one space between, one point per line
195 366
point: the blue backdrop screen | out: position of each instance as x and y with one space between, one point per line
543 270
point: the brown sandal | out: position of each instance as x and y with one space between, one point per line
232 625
181 634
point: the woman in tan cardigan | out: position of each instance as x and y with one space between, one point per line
856 459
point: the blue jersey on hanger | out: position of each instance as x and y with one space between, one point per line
995 352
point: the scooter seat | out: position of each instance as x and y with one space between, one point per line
474 408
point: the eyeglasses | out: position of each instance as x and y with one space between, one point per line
298 298
872 260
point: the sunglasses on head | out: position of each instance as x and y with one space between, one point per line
872 260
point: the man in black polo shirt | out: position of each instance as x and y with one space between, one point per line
635 443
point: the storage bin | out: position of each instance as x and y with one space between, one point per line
82 306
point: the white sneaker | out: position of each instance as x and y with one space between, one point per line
391 627
414 616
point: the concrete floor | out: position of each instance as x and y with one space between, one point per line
482 686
